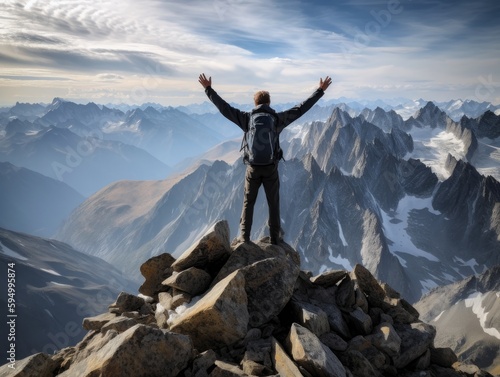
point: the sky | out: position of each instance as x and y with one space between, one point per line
133 52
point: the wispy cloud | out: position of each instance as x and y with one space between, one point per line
157 48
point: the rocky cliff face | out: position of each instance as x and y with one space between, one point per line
246 309
473 303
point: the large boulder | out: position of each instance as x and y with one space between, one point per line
140 351
270 273
212 249
308 351
155 270
219 318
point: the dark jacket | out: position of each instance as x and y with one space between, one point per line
242 118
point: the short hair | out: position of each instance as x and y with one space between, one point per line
262 97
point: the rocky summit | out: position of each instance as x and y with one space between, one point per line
247 309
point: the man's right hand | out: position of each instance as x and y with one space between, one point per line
204 81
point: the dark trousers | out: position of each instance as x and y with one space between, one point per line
268 177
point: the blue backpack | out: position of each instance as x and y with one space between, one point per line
261 142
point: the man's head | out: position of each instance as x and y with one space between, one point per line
262 97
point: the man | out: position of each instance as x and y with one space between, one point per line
266 175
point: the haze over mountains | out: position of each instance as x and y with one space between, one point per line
408 189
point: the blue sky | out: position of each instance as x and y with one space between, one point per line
133 51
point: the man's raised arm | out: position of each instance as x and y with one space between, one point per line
236 116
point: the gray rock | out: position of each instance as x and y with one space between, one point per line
386 339
37 365
368 285
333 341
270 274
155 270
416 338
226 369
346 296
310 316
282 362
119 324
329 278
219 318
212 248
335 318
203 362
96 322
192 280
369 351
141 351
444 357
358 364
126 302
361 321
308 351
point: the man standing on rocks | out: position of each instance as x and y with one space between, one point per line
262 173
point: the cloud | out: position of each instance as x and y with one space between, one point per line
245 45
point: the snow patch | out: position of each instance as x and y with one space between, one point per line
396 232
432 147
60 284
341 235
52 272
471 263
339 260
11 253
475 301
438 316
428 285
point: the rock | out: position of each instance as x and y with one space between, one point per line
360 300
270 276
358 364
219 318
361 321
397 309
125 302
368 285
335 318
308 351
444 372
203 362
193 281
211 249
333 341
444 357
424 361
329 278
37 365
467 369
282 362
368 350
119 324
346 296
139 351
155 270
254 368
96 322
226 369
415 340
310 316
386 339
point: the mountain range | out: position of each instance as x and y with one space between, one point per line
55 287
413 198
